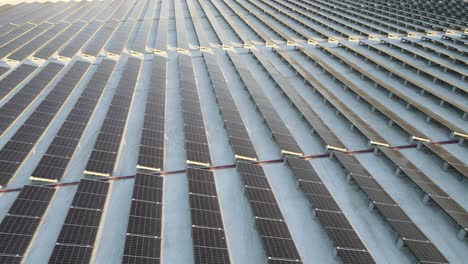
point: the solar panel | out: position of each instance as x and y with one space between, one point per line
280 248
426 252
104 154
81 224
151 152
22 220
54 162
75 44
14 78
352 256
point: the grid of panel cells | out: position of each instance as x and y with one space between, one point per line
53 164
151 151
277 241
17 148
196 143
106 148
143 240
209 239
76 239
20 223
238 135
14 78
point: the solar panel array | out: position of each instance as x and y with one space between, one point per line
53 164
107 145
404 60
76 239
19 146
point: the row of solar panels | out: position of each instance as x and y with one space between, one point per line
79 231
90 34
98 32
422 250
291 145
